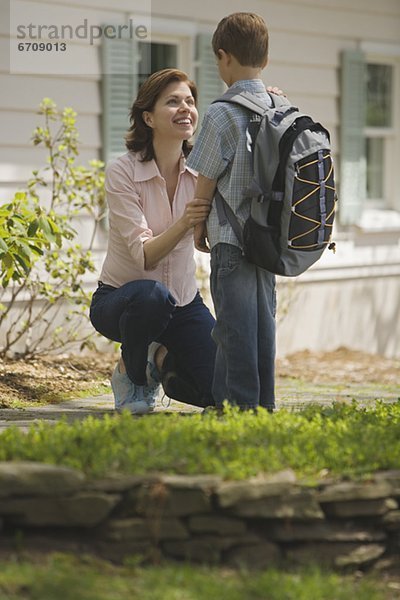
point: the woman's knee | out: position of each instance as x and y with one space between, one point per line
149 308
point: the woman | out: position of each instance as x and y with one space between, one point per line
147 297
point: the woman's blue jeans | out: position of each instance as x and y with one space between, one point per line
143 311
245 302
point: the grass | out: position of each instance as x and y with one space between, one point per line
93 390
57 397
66 577
344 440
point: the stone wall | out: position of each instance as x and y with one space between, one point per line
255 523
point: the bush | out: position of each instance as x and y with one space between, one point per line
343 440
43 265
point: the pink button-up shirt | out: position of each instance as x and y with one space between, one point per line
139 209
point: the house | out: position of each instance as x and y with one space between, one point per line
338 60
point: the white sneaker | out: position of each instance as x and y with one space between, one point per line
127 395
153 376
152 373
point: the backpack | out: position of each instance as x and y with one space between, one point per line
292 191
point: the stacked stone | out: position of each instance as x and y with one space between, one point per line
264 521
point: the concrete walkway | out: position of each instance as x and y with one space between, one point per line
290 394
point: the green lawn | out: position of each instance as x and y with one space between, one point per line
64 577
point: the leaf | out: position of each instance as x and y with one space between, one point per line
36 250
25 264
33 227
21 196
3 245
44 225
7 260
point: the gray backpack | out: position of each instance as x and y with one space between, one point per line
292 192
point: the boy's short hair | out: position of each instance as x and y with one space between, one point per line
245 36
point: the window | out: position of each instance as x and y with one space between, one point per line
370 136
155 56
379 132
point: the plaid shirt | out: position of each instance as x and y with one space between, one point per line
220 153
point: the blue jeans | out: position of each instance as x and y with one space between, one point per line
245 304
143 311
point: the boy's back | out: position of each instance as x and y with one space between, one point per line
221 153
243 294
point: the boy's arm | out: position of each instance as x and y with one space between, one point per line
205 189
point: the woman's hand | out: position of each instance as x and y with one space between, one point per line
155 249
196 211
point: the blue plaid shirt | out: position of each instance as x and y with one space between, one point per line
220 153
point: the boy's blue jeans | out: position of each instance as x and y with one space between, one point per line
245 304
143 311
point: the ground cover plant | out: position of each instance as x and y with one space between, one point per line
343 439
84 578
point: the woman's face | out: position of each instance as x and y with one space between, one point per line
174 115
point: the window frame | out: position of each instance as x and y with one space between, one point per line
390 139
178 33
388 218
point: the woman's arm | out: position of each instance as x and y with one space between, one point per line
157 248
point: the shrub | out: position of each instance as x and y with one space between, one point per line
343 440
43 264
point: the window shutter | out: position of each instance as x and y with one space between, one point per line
209 83
119 88
352 149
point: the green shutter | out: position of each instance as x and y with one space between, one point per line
119 88
209 83
352 191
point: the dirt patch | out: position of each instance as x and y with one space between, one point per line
52 378
340 366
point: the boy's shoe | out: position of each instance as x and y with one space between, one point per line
218 411
127 395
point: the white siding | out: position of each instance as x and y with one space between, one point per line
24 92
361 312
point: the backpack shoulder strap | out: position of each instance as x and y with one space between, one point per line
226 215
245 99
279 100
253 102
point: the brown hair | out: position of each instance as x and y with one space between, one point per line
140 136
245 36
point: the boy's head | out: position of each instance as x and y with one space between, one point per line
244 36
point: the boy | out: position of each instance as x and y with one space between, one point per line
243 294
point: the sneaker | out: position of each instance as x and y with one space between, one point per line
127 395
150 391
152 373
218 411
